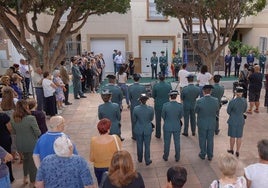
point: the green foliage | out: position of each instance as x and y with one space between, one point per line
236 46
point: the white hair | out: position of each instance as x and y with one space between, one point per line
56 72
62 146
55 121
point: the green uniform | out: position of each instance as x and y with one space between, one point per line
177 66
142 117
262 60
189 95
111 111
172 113
117 95
206 108
217 92
135 90
163 64
160 94
154 63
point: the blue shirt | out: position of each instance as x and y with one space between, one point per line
44 145
63 172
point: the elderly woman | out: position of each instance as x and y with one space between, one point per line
26 129
59 90
64 169
236 109
103 147
143 116
49 89
228 165
122 173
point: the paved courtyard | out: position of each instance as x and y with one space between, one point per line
81 119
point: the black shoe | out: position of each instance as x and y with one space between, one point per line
133 138
237 154
68 103
77 98
193 134
230 151
140 160
217 132
148 163
210 158
201 157
185 134
158 137
177 160
83 96
165 159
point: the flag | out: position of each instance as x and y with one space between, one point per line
185 56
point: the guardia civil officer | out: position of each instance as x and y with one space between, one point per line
142 118
154 63
160 94
206 109
189 95
217 92
172 113
176 61
110 111
117 95
163 63
236 109
135 90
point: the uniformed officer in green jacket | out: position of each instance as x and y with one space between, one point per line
117 95
172 113
110 111
135 90
160 94
217 92
177 65
154 63
189 95
163 63
262 60
142 117
206 109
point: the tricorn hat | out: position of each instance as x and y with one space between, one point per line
162 52
217 76
136 76
239 90
190 76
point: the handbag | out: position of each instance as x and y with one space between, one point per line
116 143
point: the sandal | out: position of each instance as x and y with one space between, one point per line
249 112
256 110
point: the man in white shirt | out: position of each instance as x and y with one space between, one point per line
26 73
183 73
119 60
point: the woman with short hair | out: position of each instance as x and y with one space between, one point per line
102 148
228 165
203 78
122 173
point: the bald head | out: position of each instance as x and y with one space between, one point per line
56 124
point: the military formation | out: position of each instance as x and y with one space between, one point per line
202 113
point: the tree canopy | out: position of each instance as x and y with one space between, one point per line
217 21
20 17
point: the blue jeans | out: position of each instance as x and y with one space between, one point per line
5 182
99 172
124 89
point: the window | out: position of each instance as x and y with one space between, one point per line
152 14
263 44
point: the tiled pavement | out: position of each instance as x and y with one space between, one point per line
81 119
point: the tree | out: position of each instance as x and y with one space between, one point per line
20 17
217 21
